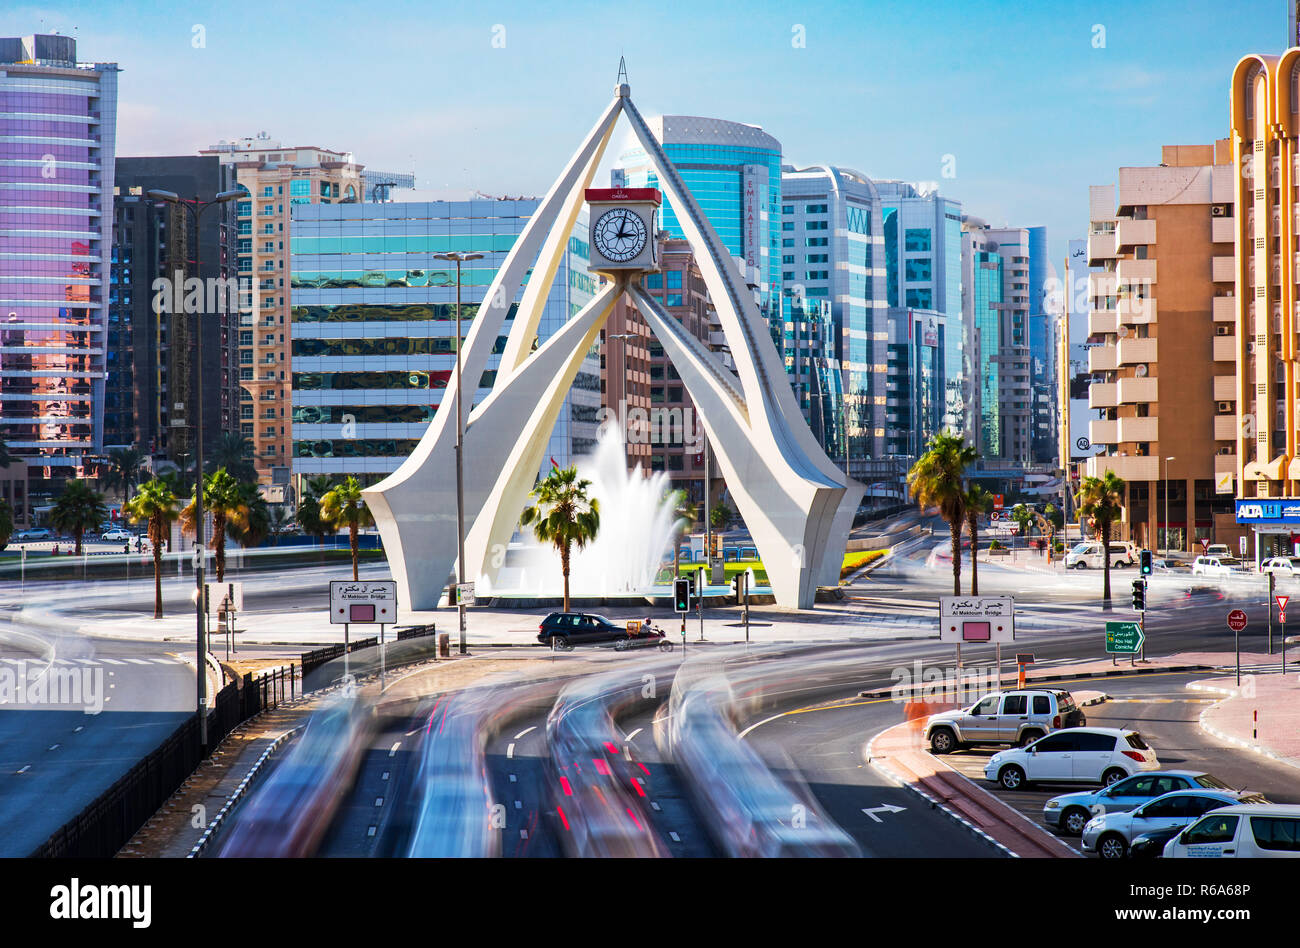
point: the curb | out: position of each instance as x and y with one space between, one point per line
234 799
934 804
1228 738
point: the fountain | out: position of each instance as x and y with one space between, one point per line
636 532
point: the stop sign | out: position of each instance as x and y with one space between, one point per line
1236 620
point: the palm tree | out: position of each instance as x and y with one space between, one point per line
564 516
278 518
977 501
123 474
257 524
6 523
343 504
78 509
935 480
224 499
233 452
5 457
155 503
1101 499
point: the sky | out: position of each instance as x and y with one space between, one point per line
1012 108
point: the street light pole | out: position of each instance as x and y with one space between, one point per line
1166 552
195 211
459 257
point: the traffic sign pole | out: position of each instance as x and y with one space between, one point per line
1237 623
1271 579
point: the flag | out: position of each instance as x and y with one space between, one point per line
554 465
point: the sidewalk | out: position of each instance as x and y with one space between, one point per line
1262 714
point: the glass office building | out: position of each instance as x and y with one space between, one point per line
57 142
922 250
833 252
734 173
373 334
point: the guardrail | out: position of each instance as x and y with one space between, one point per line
105 826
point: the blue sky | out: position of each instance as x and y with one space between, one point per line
1024 98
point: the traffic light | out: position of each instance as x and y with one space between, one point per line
682 595
1145 560
1139 595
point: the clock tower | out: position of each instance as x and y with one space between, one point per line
623 229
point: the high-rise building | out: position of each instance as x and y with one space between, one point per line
997 326
922 250
1074 377
837 256
1165 370
1042 351
373 328
147 351
57 144
642 390
277 179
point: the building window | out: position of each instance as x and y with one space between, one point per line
816 242
917 238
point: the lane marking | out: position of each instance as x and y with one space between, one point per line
392 751
674 837
385 776
371 831
53 747
518 805
523 834
510 751
513 778
634 734
26 768
525 731
379 801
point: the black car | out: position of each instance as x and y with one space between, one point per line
1152 845
564 630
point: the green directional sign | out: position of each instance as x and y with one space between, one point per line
1124 638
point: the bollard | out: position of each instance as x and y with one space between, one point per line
444 644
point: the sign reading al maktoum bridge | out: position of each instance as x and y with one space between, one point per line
797 504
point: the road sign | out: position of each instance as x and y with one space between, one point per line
372 601
223 596
1024 658
1241 545
993 517
1125 638
1281 602
1237 620
464 594
977 619
1205 544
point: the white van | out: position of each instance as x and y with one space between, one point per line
1087 555
1249 830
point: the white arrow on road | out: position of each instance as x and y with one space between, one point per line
887 808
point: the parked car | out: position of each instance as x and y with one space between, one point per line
1101 755
1109 834
568 629
1218 549
1070 812
1249 830
1151 844
1013 718
35 533
1088 555
1219 566
117 534
1282 566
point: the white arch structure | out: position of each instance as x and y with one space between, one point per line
797 504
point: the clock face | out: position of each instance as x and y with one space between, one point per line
619 234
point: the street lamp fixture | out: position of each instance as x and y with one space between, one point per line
195 210
459 257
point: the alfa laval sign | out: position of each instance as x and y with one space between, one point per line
1282 511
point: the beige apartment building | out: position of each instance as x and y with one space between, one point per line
1163 345
1266 173
276 178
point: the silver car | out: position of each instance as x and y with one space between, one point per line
1011 718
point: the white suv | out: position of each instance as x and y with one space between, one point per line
1093 755
1219 566
1088 555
